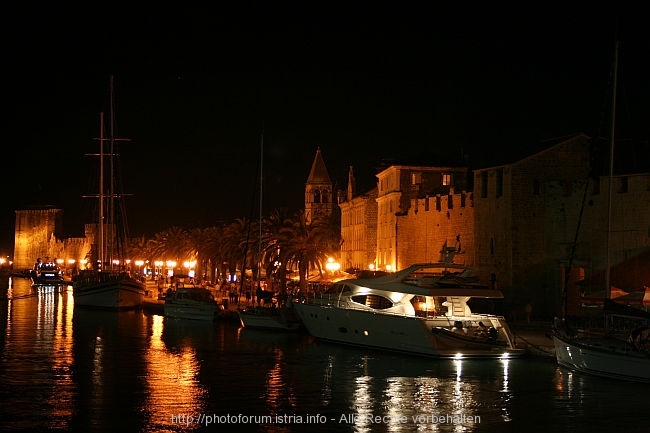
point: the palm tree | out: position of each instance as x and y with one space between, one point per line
235 237
306 245
273 255
212 251
140 248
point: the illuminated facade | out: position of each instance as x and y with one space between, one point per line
398 188
36 236
358 227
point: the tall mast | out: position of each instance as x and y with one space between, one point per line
111 201
259 247
100 226
611 180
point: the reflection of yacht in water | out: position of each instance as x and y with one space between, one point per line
421 310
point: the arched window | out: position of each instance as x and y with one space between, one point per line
316 196
325 197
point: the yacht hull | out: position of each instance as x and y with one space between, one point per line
394 332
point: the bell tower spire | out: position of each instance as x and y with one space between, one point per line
318 190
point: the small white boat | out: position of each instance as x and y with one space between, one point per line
196 303
409 311
273 318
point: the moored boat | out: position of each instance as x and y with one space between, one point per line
282 318
108 284
108 289
189 302
46 274
606 356
621 348
408 311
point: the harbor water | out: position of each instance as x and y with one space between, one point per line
71 369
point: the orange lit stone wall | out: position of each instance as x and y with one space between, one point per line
422 232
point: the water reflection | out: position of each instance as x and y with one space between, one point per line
36 344
173 386
109 367
86 370
406 394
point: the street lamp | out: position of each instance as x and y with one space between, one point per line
158 271
139 264
170 268
190 268
332 266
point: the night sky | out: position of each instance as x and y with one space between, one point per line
195 88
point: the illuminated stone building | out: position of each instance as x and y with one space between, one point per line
358 226
36 236
398 188
436 222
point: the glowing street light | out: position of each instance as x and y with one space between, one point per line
332 266
139 264
190 268
170 268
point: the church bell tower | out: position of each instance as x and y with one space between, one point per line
318 190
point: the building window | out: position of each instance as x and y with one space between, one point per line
499 182
426 204
416 178
484 184
438 204
463 198
317 196
450 201
446 179
325 197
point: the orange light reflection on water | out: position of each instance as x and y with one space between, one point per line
173 387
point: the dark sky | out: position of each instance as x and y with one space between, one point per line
194 89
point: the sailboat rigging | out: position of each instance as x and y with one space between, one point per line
259 221
283 317
607 355
107 284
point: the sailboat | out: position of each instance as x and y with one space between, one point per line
282 317
108 284
607 353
